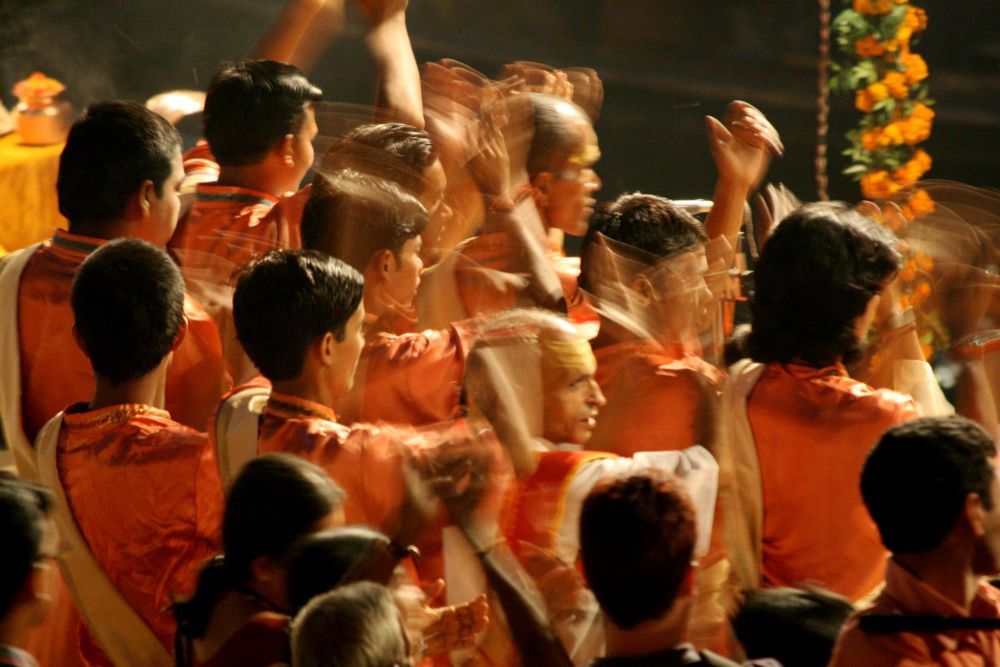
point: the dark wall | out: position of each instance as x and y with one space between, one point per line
665 64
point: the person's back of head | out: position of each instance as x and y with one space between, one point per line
815 277
928 477
274 502
357 625
253 105
322 561
110 153
27 534
289 299
798 627
128 301
394 151
637 538
646 229
357 218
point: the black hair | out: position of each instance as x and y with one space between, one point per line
394 151
797 627
916 479
288 299
109 153
655 227
128 301
637 539
815 276
274 501
251 106
554 139
23 508
354 216
321 561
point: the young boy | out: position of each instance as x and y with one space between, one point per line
138 494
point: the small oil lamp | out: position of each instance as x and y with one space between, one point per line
42 118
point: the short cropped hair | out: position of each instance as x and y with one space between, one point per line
109 153
357 625
637 539
321 561
23 507
288 299
354 216
797 627
394 151
815 276
128 301
655 227
918 476
553 140
251 106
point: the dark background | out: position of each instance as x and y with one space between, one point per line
664 63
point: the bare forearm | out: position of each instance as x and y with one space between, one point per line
728 206
398 96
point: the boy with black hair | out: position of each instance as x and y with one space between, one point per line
135 549
118 177
931 487
637 537
30 543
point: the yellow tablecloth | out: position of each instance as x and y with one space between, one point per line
29 209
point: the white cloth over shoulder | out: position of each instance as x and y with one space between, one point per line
694 466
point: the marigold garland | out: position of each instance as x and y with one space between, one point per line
889 84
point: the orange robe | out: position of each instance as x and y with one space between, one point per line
413 378
146 496
55 372
813 429
366 461
665 400
906 594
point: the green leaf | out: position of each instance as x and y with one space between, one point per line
856 169
892 21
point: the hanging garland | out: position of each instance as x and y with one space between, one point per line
888 81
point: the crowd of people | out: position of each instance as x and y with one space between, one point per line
355 406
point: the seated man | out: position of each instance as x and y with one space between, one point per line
118 177
136 548
536 387
931 486
800 426
637 540
30 544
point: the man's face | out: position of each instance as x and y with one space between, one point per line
986 560
302 145
347 354
439 212
681 298
570 201
165 205
571 399
405 279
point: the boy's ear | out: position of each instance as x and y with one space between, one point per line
643 289
286 148
144 197
542 182
384 262
181 334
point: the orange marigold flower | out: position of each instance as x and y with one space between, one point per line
869 139
895 83
863 101
868 46
893 135
921 158
908 272
921 203
923 261
916 67
878 185
920 293
915 19
927 350
891 45
878 90
872 6
922 111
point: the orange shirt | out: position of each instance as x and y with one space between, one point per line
906 594
813 429
366 461
146 496
658 400
55 373
413 378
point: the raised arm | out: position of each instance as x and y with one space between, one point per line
398 95
300 32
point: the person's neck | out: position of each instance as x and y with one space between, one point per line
14 626
310 388
651 636
146 390
107 231
254 177
947 569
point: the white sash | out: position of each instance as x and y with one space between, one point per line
743 503
120 631
236 431
17 451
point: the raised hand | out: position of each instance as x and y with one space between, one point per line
743 145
